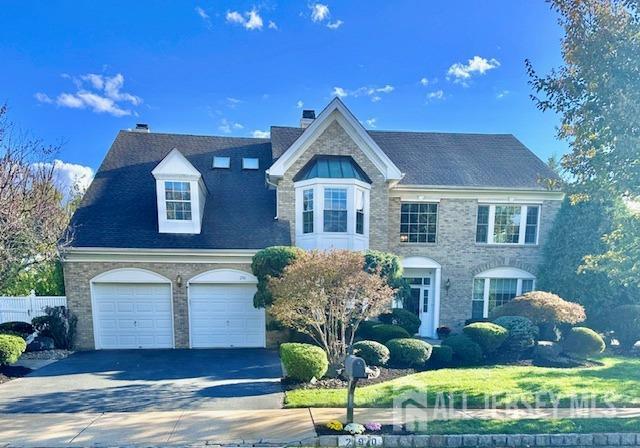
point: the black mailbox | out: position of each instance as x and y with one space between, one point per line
355 367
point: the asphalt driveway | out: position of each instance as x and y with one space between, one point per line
149 380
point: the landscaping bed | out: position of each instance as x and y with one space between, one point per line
338 383
47 354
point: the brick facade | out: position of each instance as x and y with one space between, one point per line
455 248
77 279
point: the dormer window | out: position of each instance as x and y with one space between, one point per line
250 163
178 200
180 195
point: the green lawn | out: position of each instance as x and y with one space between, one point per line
542 426
617 383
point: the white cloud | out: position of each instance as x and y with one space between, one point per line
251 20
233 102
424 82
477 65
99 93
435 95
272 25
371 122
299 104
260 134
203 15
70 177
339 92
335 25
227 126
43 98
372 92
319 12
502 94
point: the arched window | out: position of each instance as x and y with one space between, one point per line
496 287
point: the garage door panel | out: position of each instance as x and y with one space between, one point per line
223 316
133 316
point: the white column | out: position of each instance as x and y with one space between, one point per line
436 302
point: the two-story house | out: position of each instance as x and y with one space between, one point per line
164 237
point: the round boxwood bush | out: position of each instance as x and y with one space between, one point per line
373 353
441 356
303 362
11 347
405 319
364 329
408 352
487 335
465 351
522 334
384 332
583 341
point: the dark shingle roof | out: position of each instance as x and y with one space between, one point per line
119 209
447 159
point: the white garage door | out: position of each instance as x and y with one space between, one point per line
224 316
132 315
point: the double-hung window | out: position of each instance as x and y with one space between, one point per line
178 200
418 222
507 224
335 210
359 211
307 211
489 293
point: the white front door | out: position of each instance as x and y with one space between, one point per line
132 315
222 315
421 302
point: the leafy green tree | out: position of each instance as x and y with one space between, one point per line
45 279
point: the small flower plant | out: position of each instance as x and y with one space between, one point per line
354 428
335 425
373 426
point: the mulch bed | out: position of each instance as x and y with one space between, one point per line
47 354
338 383
8 373
322 430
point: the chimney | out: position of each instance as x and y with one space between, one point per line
142 127
307 118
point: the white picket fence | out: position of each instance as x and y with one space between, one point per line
23 309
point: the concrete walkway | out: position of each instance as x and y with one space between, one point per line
285 426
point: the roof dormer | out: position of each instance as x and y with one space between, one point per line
180 194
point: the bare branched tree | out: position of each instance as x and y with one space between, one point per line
33 217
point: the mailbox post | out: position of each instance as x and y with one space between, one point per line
354 369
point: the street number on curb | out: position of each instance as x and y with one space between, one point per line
359 441
346 441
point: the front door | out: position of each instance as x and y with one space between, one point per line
420 302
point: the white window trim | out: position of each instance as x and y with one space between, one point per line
523 224
190 200
246 161
221 162
319 239
500 273
409 243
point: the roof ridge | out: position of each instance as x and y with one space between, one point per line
229 137
389 131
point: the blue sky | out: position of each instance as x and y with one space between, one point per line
79 71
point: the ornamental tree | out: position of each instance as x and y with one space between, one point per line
326 295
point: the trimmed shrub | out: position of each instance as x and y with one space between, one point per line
583 341
542 308
24 329
59 324
522 334
443 332
270 262
303 362
11 347
624 320
383 332
441 356
408 352
466 352
363 332
487 335
405 319
373 353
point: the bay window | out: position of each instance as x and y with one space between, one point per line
307 211
335 210
507 224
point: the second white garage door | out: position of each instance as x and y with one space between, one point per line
222 315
